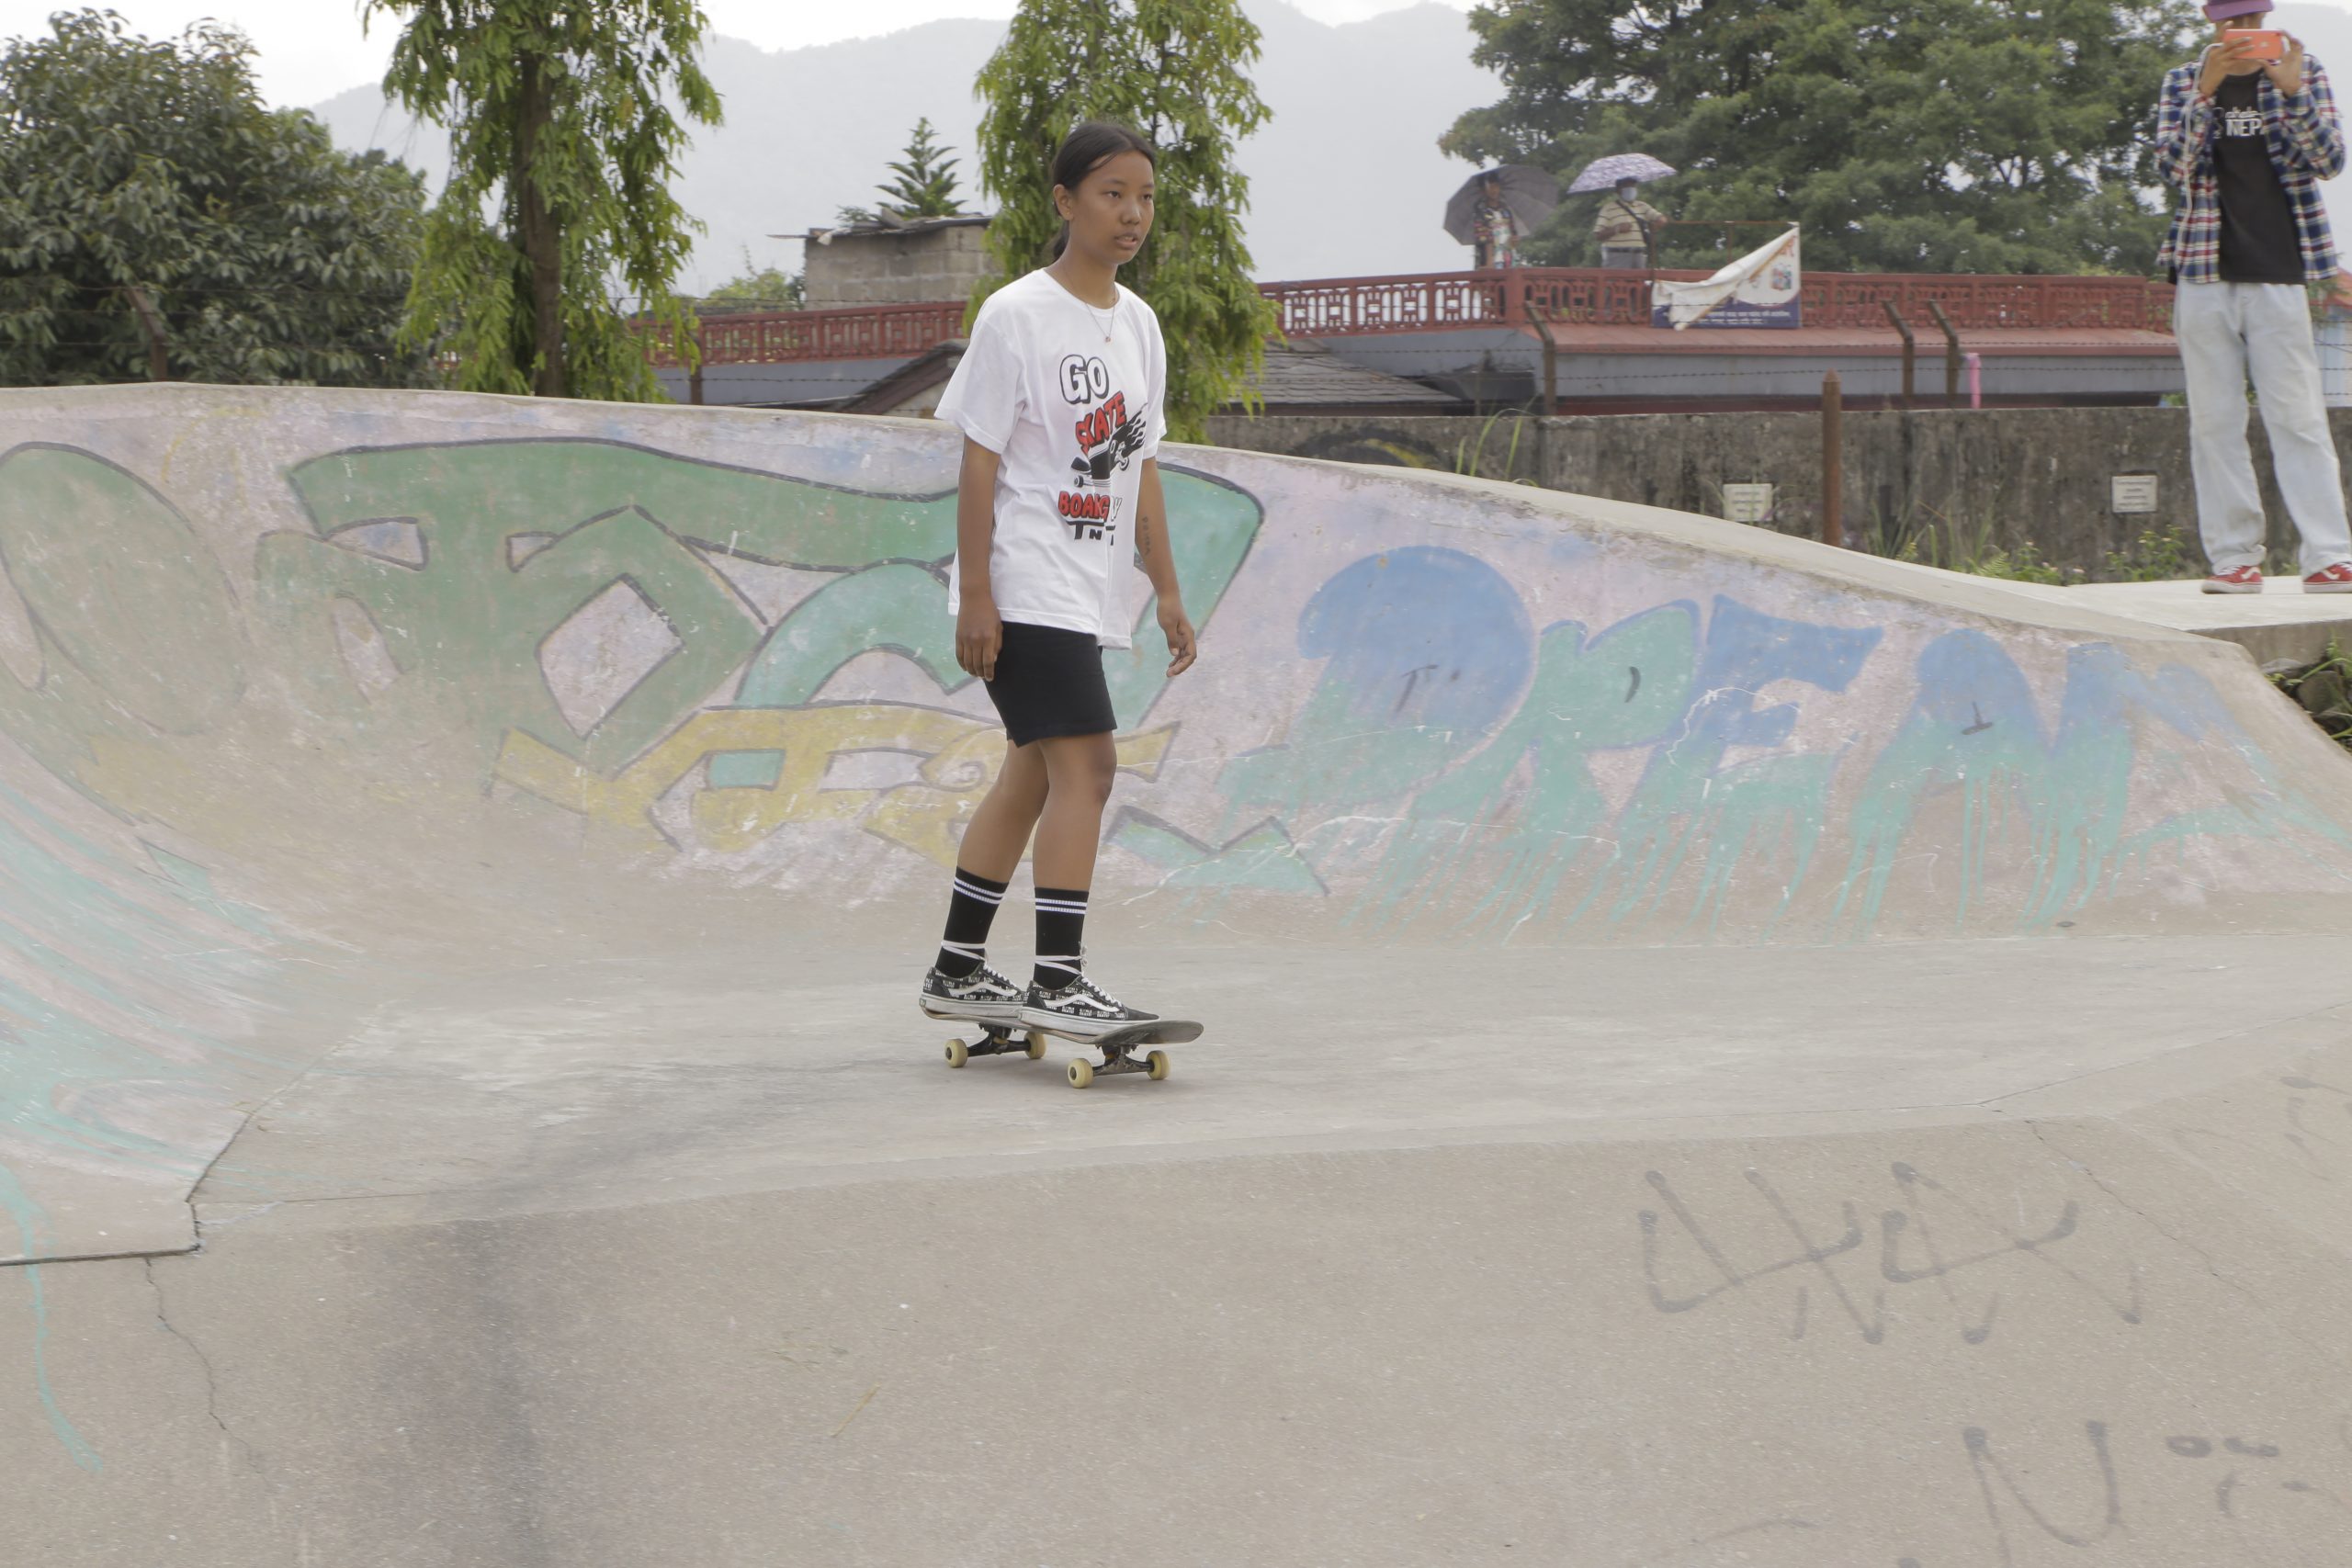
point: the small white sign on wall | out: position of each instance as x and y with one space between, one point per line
1747 503
2131 494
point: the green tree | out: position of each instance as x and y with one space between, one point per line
926 183
561 124
1174 71
144 175
925 186
1904 135
755 289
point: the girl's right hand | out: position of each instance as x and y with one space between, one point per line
979 635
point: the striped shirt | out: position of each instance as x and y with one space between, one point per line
2306 147
1625 225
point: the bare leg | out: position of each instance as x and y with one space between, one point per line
1000 829
1079 769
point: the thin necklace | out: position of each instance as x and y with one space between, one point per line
1108 326
1116 299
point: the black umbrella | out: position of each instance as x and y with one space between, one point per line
1528 192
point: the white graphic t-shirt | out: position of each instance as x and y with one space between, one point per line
1073 418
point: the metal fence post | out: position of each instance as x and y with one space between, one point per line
158 359
1951 353
1833 462
1550 367
1910 348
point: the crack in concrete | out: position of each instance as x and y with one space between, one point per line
2252 1032
2202 1256
266 1103
211 1378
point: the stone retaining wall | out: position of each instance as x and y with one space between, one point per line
1964 482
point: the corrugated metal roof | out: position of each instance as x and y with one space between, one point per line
1307 375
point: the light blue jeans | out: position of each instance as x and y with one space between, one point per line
2229 333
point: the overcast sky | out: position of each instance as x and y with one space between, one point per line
312 50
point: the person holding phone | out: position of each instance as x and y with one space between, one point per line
2244 133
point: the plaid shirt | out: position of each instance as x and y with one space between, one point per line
2306 147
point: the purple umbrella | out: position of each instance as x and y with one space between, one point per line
1605 174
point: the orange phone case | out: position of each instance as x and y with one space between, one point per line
2266 43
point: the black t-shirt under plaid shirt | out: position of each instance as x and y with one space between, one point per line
2259 243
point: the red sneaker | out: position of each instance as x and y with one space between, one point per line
2337 579
2248 580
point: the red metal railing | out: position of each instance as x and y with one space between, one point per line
1329 307
863 332
1346 305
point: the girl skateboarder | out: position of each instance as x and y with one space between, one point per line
1058 396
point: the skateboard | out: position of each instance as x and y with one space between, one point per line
1117 1047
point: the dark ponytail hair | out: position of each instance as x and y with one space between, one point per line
1090 144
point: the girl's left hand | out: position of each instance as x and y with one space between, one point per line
1183 644
2287 72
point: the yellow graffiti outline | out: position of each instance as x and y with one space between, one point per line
961 759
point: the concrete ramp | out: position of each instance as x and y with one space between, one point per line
1721 1051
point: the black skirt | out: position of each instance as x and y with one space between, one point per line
1049 681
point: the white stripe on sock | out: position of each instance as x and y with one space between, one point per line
982 894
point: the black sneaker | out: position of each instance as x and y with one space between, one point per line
982 997
1081 1009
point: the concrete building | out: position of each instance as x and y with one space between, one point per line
892 263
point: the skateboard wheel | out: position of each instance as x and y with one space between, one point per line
958 1052
1081 1073
1158 1063
1036 1047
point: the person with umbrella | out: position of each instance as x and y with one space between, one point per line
1494 233
1623 228
1626 226
1495 209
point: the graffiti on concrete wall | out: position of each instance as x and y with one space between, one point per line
625 622
699 656
1453 756
612 619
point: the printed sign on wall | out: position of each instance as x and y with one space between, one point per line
2130 494
1747 503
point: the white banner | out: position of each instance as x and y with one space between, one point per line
1760 289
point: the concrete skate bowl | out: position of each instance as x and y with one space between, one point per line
1720 1050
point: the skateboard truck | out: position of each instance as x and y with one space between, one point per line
1116 1059
997 1042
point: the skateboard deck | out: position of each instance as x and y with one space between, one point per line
1117 1047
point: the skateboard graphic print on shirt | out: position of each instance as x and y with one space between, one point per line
1108 438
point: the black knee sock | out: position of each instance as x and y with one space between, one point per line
970 908
1061 933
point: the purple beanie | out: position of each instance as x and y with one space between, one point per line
2222 10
